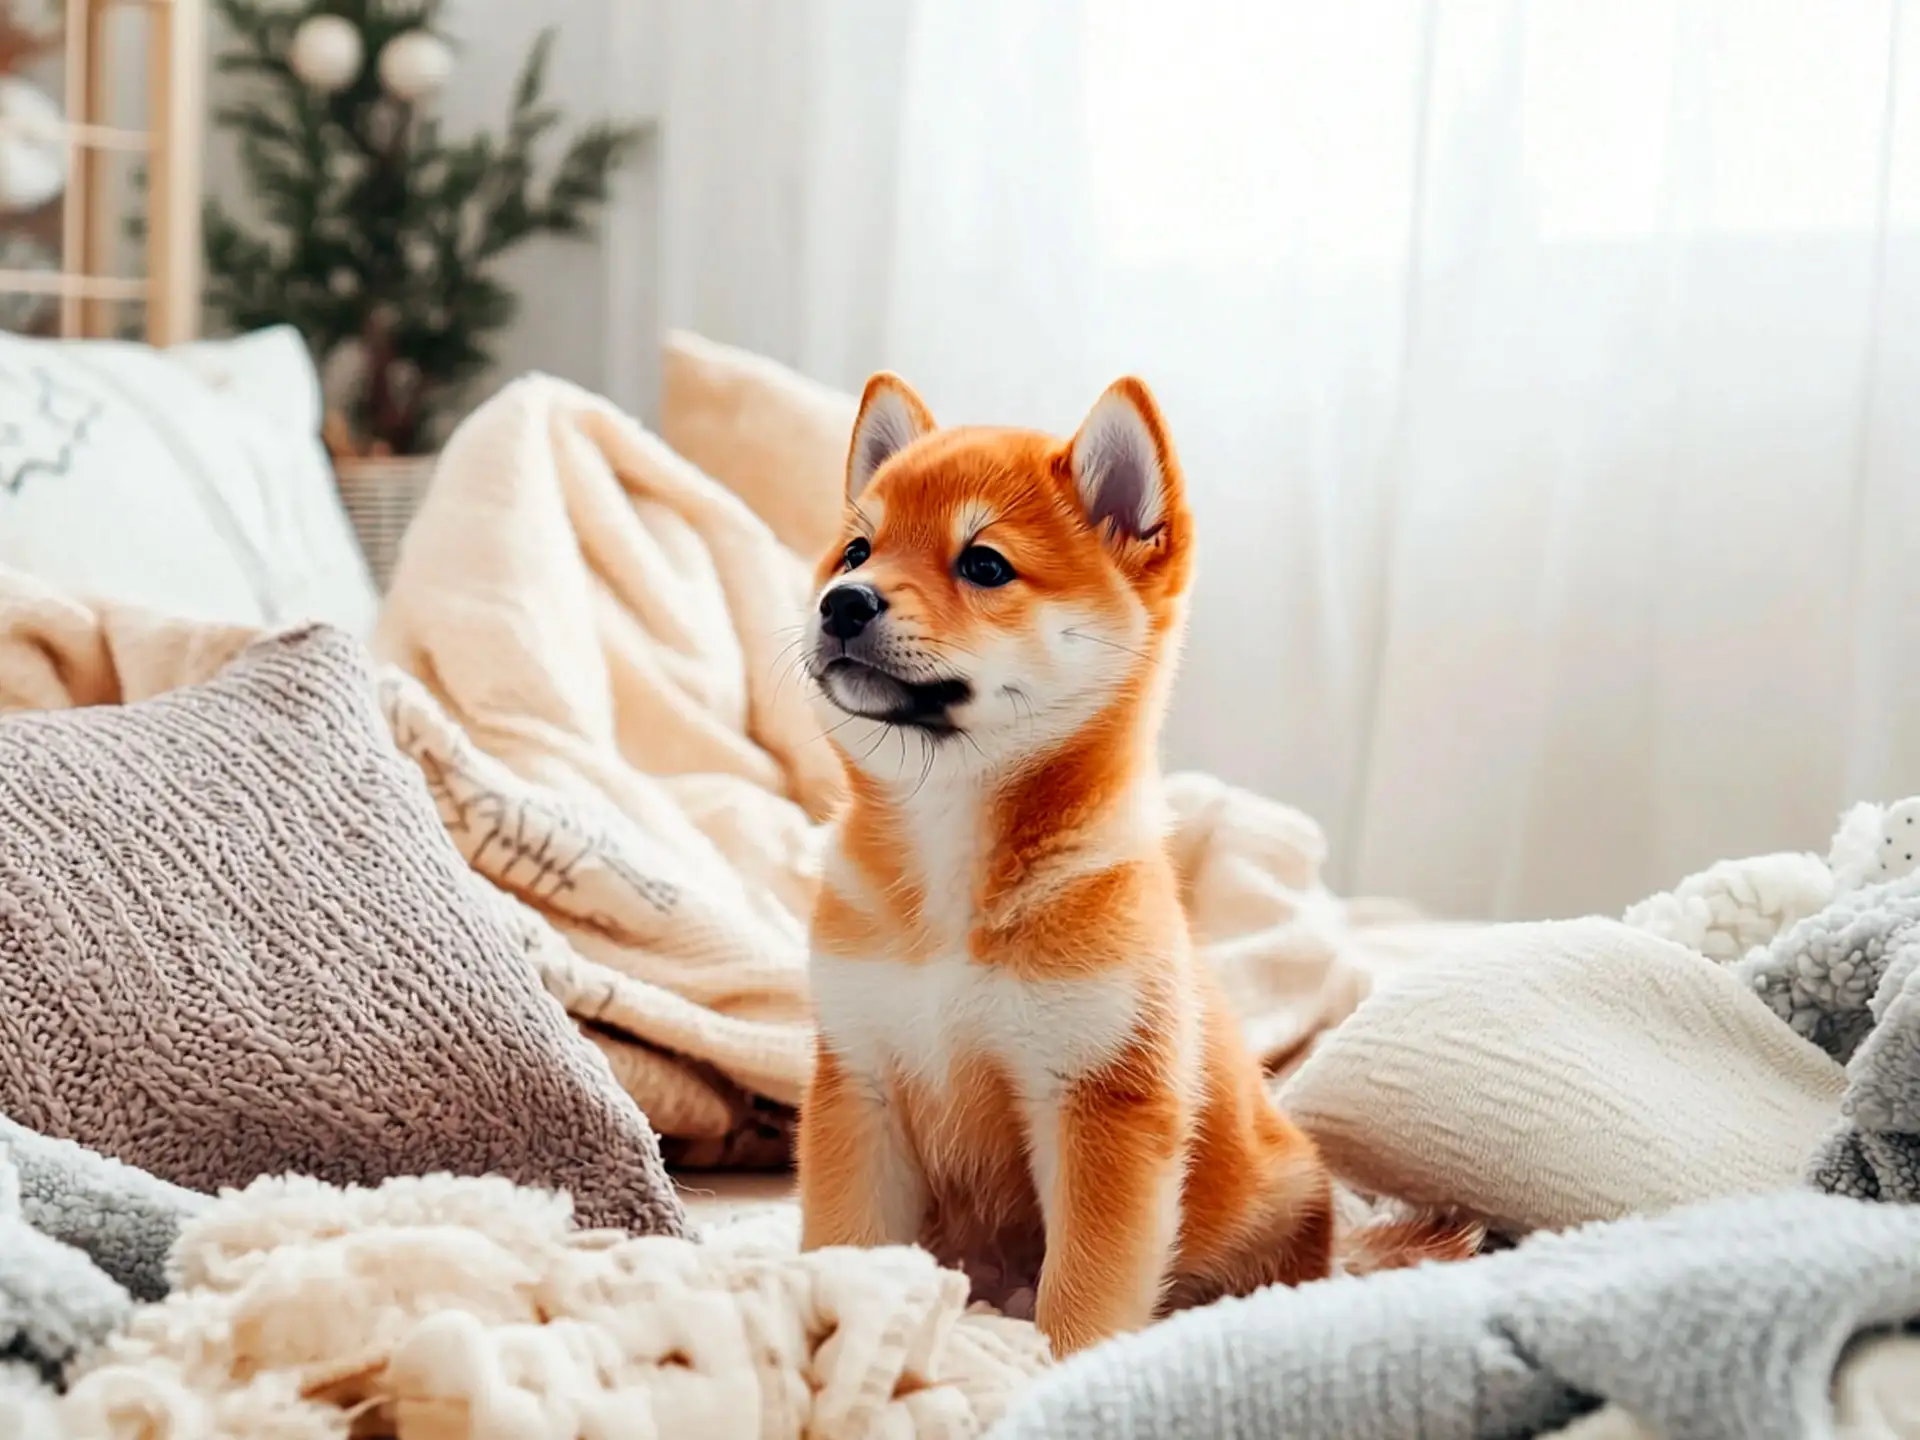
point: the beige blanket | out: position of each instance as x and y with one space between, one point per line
592 645
467 1309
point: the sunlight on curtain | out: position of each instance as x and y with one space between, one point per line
1541 373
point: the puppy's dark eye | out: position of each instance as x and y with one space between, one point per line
856 553
983 567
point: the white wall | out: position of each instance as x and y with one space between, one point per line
589 309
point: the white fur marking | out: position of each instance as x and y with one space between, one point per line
1117 467
886 428
1042 1115
1044 1159
969 521
887 1017
945 842
1166 1234
900 1184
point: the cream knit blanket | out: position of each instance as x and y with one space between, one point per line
460 1309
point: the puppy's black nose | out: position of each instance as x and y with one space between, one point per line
846 610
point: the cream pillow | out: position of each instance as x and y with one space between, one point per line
775 438
1547 1075
188 481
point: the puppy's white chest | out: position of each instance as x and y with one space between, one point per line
915 1020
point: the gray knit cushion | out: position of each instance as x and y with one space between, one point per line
235 940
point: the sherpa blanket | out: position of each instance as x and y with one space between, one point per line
1723 1322
78 1232
124 1219
591 645
468 1309
1848 978
1833 947
54 1302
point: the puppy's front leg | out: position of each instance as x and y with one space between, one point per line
860 1182
1108 1166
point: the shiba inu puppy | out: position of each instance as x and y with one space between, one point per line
1020 1062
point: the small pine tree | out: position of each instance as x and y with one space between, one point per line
382 232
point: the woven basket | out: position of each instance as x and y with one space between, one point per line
381 494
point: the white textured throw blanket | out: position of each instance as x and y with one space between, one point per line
457 1309
1548 1075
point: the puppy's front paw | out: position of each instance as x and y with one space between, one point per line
1068 1327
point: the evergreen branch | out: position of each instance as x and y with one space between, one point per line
529 125
258 122
269 67
533 74
240 269
585 172
240 16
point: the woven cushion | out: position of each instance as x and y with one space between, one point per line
235 940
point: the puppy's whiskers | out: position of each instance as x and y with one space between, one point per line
1073 633
788 659
926 765
828 732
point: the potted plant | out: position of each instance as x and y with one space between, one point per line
380 237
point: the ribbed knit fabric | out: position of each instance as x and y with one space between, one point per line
236 941
1722 1322
1547 1075
124 1219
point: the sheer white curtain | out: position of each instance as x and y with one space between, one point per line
1547 374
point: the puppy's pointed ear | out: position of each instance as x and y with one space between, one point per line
891 418
1123 464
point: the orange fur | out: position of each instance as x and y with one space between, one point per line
1019 1052
1436 1235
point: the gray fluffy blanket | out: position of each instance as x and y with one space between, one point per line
81 1237
123 1218
1721 1322
54 1301
1848 979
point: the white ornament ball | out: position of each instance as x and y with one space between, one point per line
33 146
327 52
415 65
